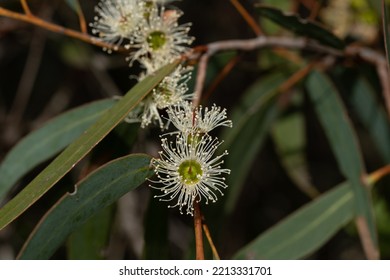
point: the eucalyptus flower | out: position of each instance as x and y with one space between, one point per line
197 120
189 172
160 35
116 20
172 90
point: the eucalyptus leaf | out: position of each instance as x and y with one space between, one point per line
47 141
289 136
90 240
97 191
372 116
305 230
343 141
80 147
301 26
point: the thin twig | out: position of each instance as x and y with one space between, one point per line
377 175
82 21
29 74
26 9
365 237
252 44
200 78
221 76
210 240
296 77
247 17
55 28
198 232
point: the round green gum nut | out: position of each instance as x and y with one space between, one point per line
156 40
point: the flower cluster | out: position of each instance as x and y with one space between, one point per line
154 38
187 167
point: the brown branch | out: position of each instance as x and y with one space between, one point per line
200 78
221 76
26 9
252 44
210 240
377 175
369 248
198 232
29 74
82 21
55 28
247 17
296 77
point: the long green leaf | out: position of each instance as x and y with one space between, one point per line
251 122
288 134
372 116
47 141
306 229
79 148
89 241
344 144
95 192
299 26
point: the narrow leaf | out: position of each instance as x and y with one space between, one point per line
372 116
344 144
300 26
90 240
97 191
289 136
79 148
47 141
304 231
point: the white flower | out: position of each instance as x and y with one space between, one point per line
199 120
160 35
170 91
117 19
188 171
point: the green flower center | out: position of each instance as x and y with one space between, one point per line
190 171
164 91
156 40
